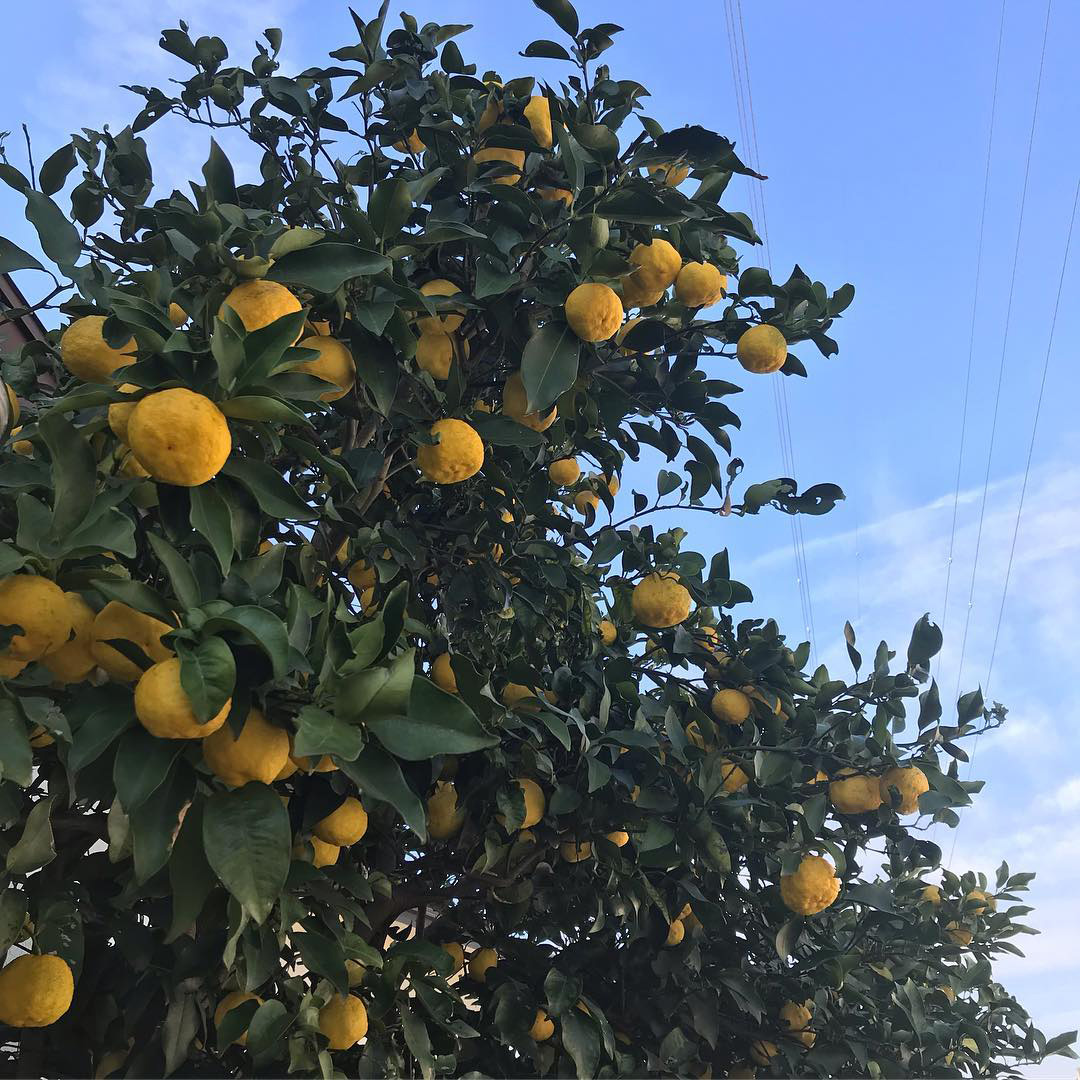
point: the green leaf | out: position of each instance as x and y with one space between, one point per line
417 1039
268 1025
13 257
133 593
218 171
12 918
16 753
257 407
549 364
389 207
211 518
562 11
97 717
274 494
436 723
550 50
295 239
73 473
320 732
925 643
55 169
502 431
582 1042
207 675
142 763
378 774
190 876
178 1031
376 692
248 842
324 956
260 627
326 266
155 826
638 205
35 848
185 586
59 239
787 938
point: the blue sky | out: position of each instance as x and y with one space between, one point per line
872 123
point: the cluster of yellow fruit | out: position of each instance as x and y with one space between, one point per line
343 1019
975 902
859 793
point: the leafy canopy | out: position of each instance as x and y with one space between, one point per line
464 658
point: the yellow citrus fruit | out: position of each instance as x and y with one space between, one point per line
13 401
21 446
542 1028
120 412
575 853
619 838
931 894
535 802
41 737
85 352
609 632
324 764
434 354
230 1002
960 934
334 364
177 315
445 817
538 115
323 854
457 954
442 674
345 826
260 303
639 291
730 706
35 991
762 349
517 696
362 576
910 782
181 437
131 466
412 145
734 777
115 622
492 110
586 500
660 601
73 661
457 455
669 173
594 311
259 753
763 1051
481 962
949 992
613 484
564 472
676 932
977 901
657 263
515 402
343 1020
439 324
796 1018
556 194
10 668
513 158
41 608
812 888
164 709
855 793
741 1072
699 284
695 734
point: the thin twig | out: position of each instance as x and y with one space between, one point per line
30 156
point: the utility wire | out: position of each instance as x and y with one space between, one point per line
1004 349
740 60
971 333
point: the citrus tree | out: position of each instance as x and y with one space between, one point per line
346 726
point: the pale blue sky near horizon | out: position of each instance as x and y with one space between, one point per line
872 125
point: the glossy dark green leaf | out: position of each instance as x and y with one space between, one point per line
207 675
73 470
562 11
248 842
59 239
274 494
582 1042
320 732
185 586
12 257
190 876
549 364
389 207
259 627
55 169
218 172
210 517
141 765
552 50
97 716
324 956
155 826
378 774
35 847
326 266
16 754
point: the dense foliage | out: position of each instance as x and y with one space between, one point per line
657 842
